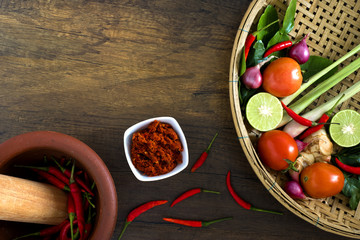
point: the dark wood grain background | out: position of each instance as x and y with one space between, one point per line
91 69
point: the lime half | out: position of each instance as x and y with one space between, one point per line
264 111
346 131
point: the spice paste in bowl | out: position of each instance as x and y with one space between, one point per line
156 150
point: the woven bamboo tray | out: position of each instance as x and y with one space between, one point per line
334 28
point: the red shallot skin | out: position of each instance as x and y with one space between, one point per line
301 145
294 190
252 77
294 175
300 51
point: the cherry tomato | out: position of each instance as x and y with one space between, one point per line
275 147
321 180
282 77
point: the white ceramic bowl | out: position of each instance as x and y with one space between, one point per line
141 125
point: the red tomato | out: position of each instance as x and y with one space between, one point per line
321 180
274 147
282 77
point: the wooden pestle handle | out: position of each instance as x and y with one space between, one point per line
24 200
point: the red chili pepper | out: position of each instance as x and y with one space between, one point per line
52 179
203 156
62 160
248 42
139 210
240 201
277 47
88 224
71 213
76 196
190 193
88 201
251 38
47 231
65 230
347 168
50 169
87 179
67 173
194 223
299 119
323 119
88 228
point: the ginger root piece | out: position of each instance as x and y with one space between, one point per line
319 149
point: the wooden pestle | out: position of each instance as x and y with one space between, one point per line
24 200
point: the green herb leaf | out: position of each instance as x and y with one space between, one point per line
242 63
270 15
256 54
351 189
245 94
278 37
350 156
289 18
350 159
287 27
350 150
314 65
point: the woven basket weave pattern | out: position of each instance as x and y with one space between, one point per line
334 28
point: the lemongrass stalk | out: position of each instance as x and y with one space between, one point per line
294 128
287 100
311 96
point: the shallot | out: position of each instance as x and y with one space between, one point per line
301 145
294 190
300 51
252 78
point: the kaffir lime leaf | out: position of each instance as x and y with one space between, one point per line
264 111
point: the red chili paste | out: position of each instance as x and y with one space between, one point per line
156 150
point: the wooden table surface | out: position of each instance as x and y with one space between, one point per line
91 69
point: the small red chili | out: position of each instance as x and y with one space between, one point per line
47 231
62 160
252 36
323 119
241 202
71 213
248 42
65 230
195 223
277 47
52 179
203 156
190 193
347 168
299 119
76 196
49 169
139 210
88 227
88 224
79 181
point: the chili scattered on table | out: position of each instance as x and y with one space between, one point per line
156 150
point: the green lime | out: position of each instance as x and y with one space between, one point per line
345 128
264 111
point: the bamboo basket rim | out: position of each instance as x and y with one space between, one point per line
266 178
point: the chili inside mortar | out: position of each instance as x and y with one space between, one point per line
156 150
